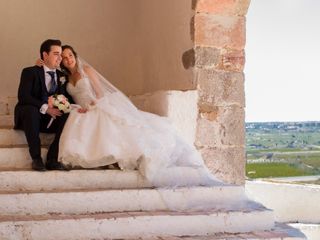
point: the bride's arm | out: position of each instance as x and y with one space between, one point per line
94 81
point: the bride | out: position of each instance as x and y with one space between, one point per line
107 128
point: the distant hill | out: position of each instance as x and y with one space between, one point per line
283 135
286 126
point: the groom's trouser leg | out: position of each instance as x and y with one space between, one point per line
31 118
57 125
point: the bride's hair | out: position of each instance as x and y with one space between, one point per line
63 68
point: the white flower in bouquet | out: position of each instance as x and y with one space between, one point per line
59 101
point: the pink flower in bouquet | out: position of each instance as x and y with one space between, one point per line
60 102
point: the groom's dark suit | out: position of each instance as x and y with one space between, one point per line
32 94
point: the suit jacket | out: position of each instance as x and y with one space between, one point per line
33 91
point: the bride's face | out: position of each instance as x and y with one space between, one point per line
68 59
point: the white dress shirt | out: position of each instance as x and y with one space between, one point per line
44 106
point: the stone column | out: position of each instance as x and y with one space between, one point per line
219 37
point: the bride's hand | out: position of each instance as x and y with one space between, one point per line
39 62
82 110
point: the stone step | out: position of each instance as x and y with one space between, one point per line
28 180
17 157
7 104
128 225
280 231
6 121
93 201
13 138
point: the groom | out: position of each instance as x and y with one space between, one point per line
32 113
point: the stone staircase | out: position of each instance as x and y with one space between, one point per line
114 204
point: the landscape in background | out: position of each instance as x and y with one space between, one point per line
282 149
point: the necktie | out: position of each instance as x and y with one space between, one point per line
53 84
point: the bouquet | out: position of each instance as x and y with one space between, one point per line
59 101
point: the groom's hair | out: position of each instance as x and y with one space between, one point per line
46 45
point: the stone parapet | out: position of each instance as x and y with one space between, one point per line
291 202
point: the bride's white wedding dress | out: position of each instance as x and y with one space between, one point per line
109 133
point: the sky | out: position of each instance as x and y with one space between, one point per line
282 71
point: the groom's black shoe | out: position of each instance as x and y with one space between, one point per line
38 165
56 166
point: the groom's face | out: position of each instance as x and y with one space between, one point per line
53 58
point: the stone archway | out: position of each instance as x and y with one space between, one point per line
216 98
189 55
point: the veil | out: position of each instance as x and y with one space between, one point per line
115 96
107 87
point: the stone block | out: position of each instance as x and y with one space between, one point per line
208 133
223 7
227 163
220 88
232 60
224 126
220 31
207 57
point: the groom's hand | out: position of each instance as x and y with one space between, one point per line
54 112
39 62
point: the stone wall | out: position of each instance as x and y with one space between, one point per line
136 44
219 38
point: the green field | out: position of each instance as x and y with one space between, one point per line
279 152
265 170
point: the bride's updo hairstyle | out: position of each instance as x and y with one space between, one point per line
63 68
